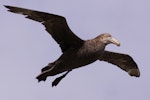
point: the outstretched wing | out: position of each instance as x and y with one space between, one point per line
123 61
56 25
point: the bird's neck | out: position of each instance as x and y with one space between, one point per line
95 46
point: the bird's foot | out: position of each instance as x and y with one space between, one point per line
41 78
58 79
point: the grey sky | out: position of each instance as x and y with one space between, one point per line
26 47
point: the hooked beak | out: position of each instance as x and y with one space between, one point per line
114 41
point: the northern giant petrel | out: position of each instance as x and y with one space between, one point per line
76 52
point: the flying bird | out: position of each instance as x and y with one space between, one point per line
76 52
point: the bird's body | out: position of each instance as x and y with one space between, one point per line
77 57
75 51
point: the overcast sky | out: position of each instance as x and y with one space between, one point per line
25 47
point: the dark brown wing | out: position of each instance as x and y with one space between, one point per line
123 61
56 25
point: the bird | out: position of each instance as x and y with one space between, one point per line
76 52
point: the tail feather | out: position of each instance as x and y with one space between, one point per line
47 67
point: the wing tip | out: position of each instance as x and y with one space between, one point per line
10 8
6 6
134 72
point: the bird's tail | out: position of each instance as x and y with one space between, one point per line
47 67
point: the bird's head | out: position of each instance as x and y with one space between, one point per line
106 38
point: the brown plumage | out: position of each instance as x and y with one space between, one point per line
76 52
